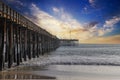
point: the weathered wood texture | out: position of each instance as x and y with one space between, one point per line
21 39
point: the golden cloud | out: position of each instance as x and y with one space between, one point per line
65 26
104 40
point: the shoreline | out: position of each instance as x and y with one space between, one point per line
63 72
22 72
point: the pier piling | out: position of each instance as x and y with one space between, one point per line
21 39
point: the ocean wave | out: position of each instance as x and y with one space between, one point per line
82 63
94 55
56 61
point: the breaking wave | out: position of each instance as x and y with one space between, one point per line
81 55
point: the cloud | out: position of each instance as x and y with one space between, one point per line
45 20
108 26
112 22
103 40
67 18
86 10
92 3
63 25
92 26
56 10
17 2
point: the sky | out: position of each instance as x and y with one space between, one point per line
90 21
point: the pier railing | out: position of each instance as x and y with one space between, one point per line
7 12
21 39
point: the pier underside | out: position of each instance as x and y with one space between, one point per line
21 39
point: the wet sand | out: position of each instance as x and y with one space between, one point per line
63 72
24 72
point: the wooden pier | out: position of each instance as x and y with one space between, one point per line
21 39
69 42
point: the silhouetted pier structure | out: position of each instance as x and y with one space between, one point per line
69 42
21 39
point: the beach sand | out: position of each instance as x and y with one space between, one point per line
63 72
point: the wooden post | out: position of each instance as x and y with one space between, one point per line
33 54
28 43
14 42
42 44
25 44
37 52
7 43
20 43
10 54
17 45
4 47
31 43
24 37
1 43
38 44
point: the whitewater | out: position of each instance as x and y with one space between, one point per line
83 54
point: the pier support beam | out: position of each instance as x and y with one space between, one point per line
18 45
10 50
2 27
21 39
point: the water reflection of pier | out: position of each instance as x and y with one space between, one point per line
22 75
21 39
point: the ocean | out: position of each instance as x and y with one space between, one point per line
85 54
82 62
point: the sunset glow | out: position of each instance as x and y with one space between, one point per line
90 21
